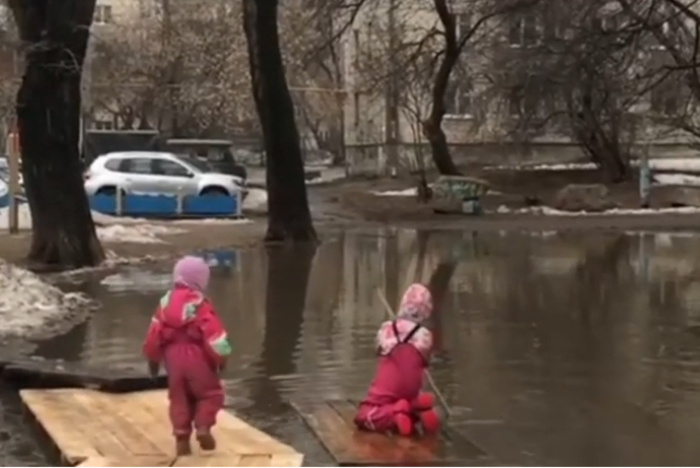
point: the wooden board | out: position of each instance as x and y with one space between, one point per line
92 428
332 423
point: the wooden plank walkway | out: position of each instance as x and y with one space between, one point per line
332 423
92 428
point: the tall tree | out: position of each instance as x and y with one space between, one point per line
55 36
289 216
456 38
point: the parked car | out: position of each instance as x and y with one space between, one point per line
159 173
215 152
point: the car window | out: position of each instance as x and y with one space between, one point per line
114 164
170 168
196 163
137 166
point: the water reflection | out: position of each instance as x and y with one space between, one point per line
552 349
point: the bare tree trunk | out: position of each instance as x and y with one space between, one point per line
55 33
288 206
432 126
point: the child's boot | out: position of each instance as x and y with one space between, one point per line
206 440
402 419
430 421
424 401
182 446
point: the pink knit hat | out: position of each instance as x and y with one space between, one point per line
191 272
416 303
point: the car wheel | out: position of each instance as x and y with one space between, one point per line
109 191
215 191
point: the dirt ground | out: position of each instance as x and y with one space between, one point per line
510 188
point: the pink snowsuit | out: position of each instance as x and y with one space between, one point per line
394 400
186 335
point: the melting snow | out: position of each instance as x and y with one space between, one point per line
543 167
677 179
676 165
256 201
31 308
135 233
409 192
109 229
546 210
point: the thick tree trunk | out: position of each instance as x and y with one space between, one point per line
55 34
289 217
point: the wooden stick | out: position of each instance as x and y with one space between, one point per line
429 377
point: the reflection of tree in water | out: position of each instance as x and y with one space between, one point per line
439 285
287 279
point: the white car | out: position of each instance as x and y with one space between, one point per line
157 173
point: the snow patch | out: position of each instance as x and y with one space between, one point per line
330 176
548 211
31 308
543 167
256 201
675 165
109 229
409 192
226 221
677 179
136 233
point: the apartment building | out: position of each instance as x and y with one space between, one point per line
485 99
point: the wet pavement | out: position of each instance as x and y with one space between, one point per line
551 349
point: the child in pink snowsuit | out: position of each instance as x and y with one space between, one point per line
395 401
188 338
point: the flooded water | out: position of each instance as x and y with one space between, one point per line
551 349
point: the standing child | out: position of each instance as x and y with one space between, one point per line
187 337
394 401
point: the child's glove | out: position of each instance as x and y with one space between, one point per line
153 369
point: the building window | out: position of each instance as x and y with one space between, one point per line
524 31
103 14
458 100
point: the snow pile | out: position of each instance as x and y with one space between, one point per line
548 211
31 308
409 192
676 165
543 167
677 179
256 201
135 233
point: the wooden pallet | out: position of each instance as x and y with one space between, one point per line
332 423
92 428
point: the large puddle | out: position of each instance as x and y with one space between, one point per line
551 349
